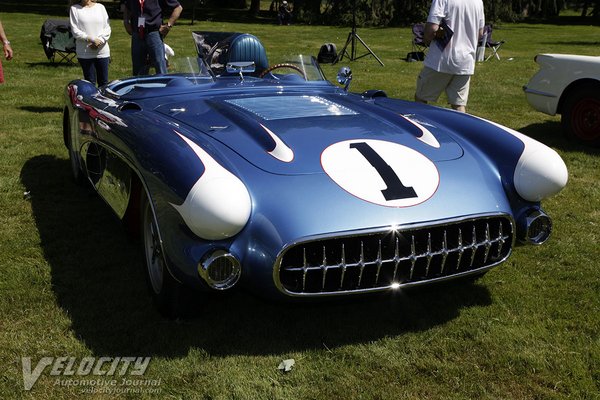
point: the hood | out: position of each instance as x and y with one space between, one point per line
288 134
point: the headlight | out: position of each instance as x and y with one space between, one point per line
540 172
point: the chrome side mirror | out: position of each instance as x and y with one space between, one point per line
241 67
344 77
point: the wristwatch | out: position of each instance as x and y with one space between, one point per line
6 42
169 25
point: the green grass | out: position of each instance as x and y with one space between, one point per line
71 283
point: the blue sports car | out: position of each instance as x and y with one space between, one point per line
236 171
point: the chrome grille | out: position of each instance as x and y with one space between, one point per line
379 260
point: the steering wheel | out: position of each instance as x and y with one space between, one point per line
283 65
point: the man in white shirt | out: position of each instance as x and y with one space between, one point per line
453 29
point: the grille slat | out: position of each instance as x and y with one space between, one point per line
379 263
324 267
413 257
461 249
429 254
304 269
445 252
343 266
394 257
488 243
361 263
473 246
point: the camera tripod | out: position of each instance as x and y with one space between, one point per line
352 38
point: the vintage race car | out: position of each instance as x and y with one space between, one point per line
569 85
269 176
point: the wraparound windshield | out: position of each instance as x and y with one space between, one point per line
300 65
185 71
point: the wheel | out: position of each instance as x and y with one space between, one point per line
76 170
580 117
165 290
283 65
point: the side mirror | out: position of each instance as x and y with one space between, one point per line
241 67
344 77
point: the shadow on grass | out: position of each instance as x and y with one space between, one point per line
98 282
42 7
564 20
576 43
550 133
54 64
39 110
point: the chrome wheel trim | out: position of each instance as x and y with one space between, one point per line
153 252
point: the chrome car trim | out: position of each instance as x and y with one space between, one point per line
538 92
344 77
538 227
222 279
488 242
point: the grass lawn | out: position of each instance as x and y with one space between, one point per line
71 283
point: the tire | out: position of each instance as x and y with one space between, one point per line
165 290
580 117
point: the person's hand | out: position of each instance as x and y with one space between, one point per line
96 43
128 28
439 34
164 30
8 51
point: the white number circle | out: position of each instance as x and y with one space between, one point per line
380 172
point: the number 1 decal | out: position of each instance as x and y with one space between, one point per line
381 172
395 188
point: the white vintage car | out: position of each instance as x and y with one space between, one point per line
569 85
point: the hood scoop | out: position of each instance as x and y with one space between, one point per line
290 107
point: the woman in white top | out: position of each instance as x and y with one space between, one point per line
91 29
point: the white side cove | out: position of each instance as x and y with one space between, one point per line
426 136
540 172
281 151
218 206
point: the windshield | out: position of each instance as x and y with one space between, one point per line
187 71
301 66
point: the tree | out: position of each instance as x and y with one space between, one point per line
254 7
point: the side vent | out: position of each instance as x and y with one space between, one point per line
130 106
373 93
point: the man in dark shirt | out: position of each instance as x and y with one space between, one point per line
143 21
285 14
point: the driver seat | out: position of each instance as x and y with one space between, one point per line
247 47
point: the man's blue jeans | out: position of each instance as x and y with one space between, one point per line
146 52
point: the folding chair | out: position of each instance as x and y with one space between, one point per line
418 42
58 40
490 43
